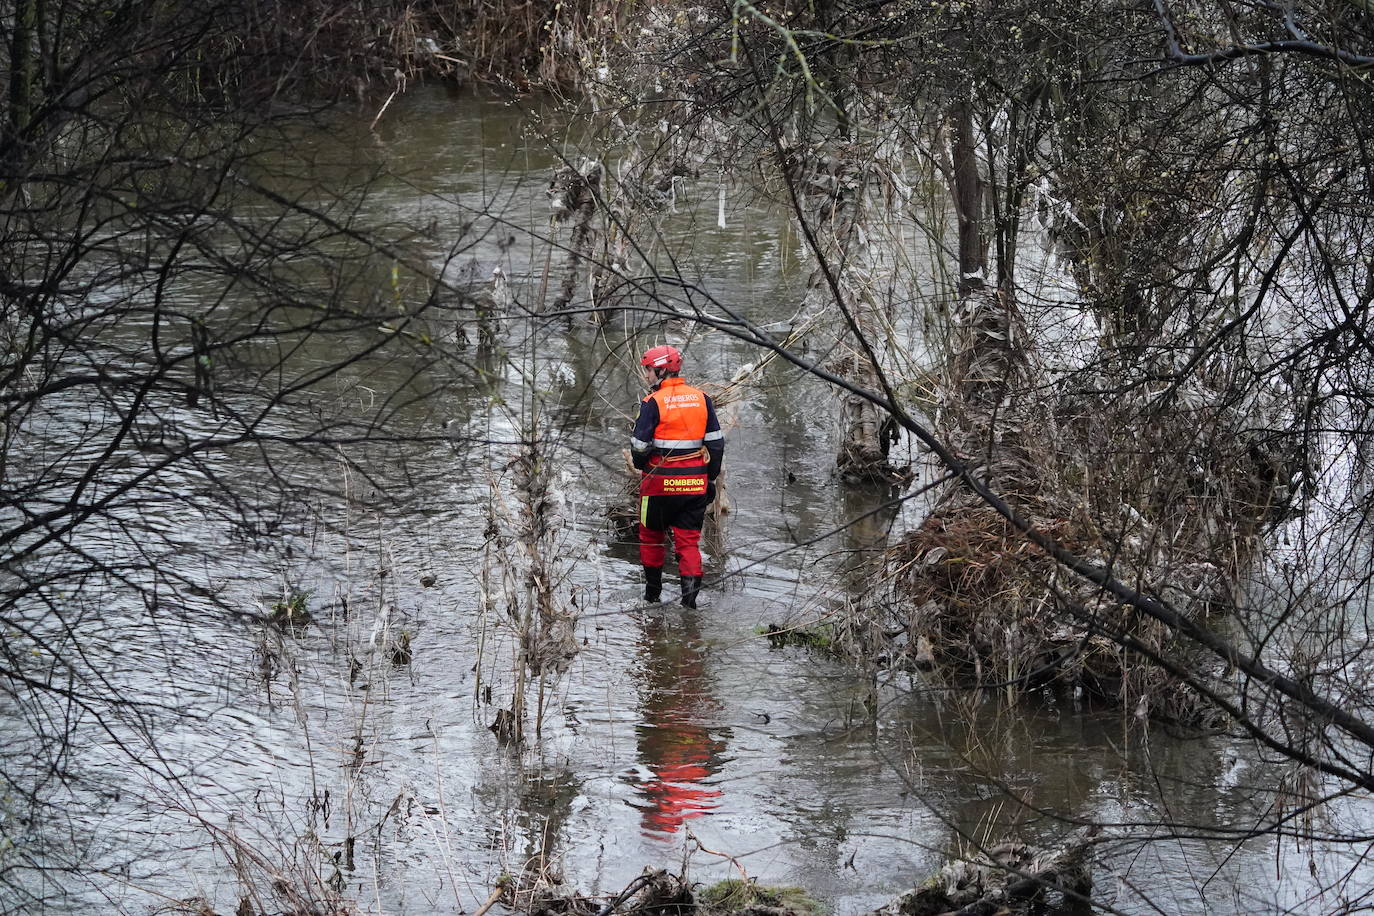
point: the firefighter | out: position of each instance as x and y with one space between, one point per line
678 448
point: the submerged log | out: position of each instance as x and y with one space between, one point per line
1006 880
656 892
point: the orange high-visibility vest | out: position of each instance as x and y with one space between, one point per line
679 466
681 415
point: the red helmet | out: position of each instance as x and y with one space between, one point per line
662 357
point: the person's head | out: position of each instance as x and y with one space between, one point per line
659 363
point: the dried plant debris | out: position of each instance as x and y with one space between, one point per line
1009 879
968 599
654 893
658 893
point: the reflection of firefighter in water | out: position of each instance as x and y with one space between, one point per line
677 749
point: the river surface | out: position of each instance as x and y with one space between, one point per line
676 735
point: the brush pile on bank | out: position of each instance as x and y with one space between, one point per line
659 893
1010 879
1007 880
341 49
1171 506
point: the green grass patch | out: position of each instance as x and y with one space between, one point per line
293 611
735 896
820 637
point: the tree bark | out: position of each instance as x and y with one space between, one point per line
22 68
834 195
968 203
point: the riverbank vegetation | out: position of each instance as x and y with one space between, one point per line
1121 251
169 267
1140 388
1150 332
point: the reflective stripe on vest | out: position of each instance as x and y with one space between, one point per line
681 415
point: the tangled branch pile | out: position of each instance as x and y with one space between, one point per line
1007 879
658 893
1011 878
1173 510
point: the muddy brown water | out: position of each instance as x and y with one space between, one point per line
676 734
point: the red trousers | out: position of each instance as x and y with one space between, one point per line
683 515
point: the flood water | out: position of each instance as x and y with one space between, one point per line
676 735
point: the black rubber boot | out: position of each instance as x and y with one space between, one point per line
653 584
690 586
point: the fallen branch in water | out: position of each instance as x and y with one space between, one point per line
744 875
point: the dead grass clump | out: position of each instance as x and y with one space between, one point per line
980 605
971 601
1010 879
970 559
654 893
975 590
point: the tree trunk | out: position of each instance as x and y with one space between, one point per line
22 70
573 194
835 189
968 203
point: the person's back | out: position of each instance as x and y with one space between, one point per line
678 448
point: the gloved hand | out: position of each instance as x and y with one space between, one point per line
710 492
